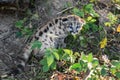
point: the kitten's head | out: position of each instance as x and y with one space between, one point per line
74 24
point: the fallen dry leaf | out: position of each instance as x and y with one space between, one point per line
118 28
103 43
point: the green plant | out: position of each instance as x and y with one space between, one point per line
115 68
112 20
88 9
48 61
84 64
25 25
90 15
78 12
36 44
23 30
85 11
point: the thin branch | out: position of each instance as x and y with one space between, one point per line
65 10
68 8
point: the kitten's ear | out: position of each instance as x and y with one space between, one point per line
82 21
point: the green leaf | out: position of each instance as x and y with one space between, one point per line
88 7
113 70
48 52
103 72
19 34
107 24
27 31
65 57
116 64
117 75
50 60
76 67
36 44
43 61
86 27
53 65
56 55
78 12
89 18
90 57
19 24
45 68
70 52
95 62
84 66
83 43
83 57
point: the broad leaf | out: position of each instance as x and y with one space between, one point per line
53 65
70 52
36 44
56 55
95 62
117 75
43 61
50 59
83 57
76 67
103 72
19 24
90 57
45 68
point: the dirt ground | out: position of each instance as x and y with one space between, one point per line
11 45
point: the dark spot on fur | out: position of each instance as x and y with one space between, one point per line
51 32
50 24
45 30
36 37
51 39
40 33
59 32
64 19
59 27
46 36
46 44
45 48
45 39
60 23
63 29
56 21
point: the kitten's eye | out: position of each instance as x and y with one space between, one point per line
70 26
78 26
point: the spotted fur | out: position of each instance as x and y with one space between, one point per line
52 35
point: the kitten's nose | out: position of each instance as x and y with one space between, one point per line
74 33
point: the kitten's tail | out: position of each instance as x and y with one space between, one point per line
21 61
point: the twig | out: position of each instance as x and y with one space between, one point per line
68 8
65 10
